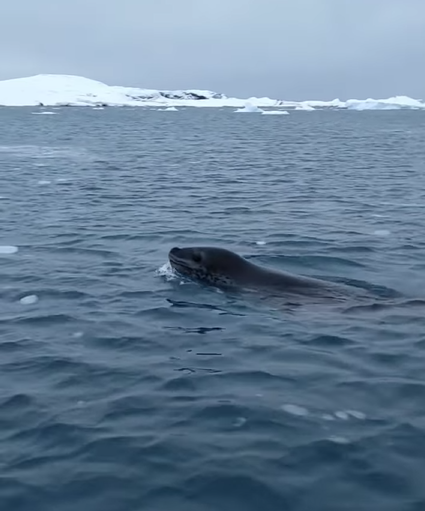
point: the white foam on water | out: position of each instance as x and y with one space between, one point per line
44 182
166 270
260 242
295 410
48 152
339 439
342 415
43 113
382 232
239 422
328 417
171 109
275 112
98 108
77 335
356 414
29 300
8 249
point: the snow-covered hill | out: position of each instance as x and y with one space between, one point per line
61 90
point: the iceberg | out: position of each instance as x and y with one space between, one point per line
54 90
394 103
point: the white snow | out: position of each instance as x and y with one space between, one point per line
55 90
304 106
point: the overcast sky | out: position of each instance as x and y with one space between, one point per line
285 49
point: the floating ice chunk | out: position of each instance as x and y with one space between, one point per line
8 249
29 300
275 112
295 410
44 113
171 109
250 108
260 242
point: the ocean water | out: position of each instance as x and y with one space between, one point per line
126 388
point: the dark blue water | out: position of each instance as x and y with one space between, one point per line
123 390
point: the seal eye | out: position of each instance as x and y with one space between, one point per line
197 258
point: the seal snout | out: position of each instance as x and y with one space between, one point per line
175 255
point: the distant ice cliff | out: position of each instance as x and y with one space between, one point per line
68 90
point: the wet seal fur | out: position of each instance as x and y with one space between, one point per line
223 268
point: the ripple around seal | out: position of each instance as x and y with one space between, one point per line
124 388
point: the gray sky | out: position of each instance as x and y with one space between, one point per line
285 49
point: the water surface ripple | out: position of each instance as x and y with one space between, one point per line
124 390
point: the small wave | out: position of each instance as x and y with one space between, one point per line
41 319
295 410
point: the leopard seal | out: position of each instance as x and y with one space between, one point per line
224 268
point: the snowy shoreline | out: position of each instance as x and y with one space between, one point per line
67 90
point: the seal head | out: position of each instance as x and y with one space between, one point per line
216 266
